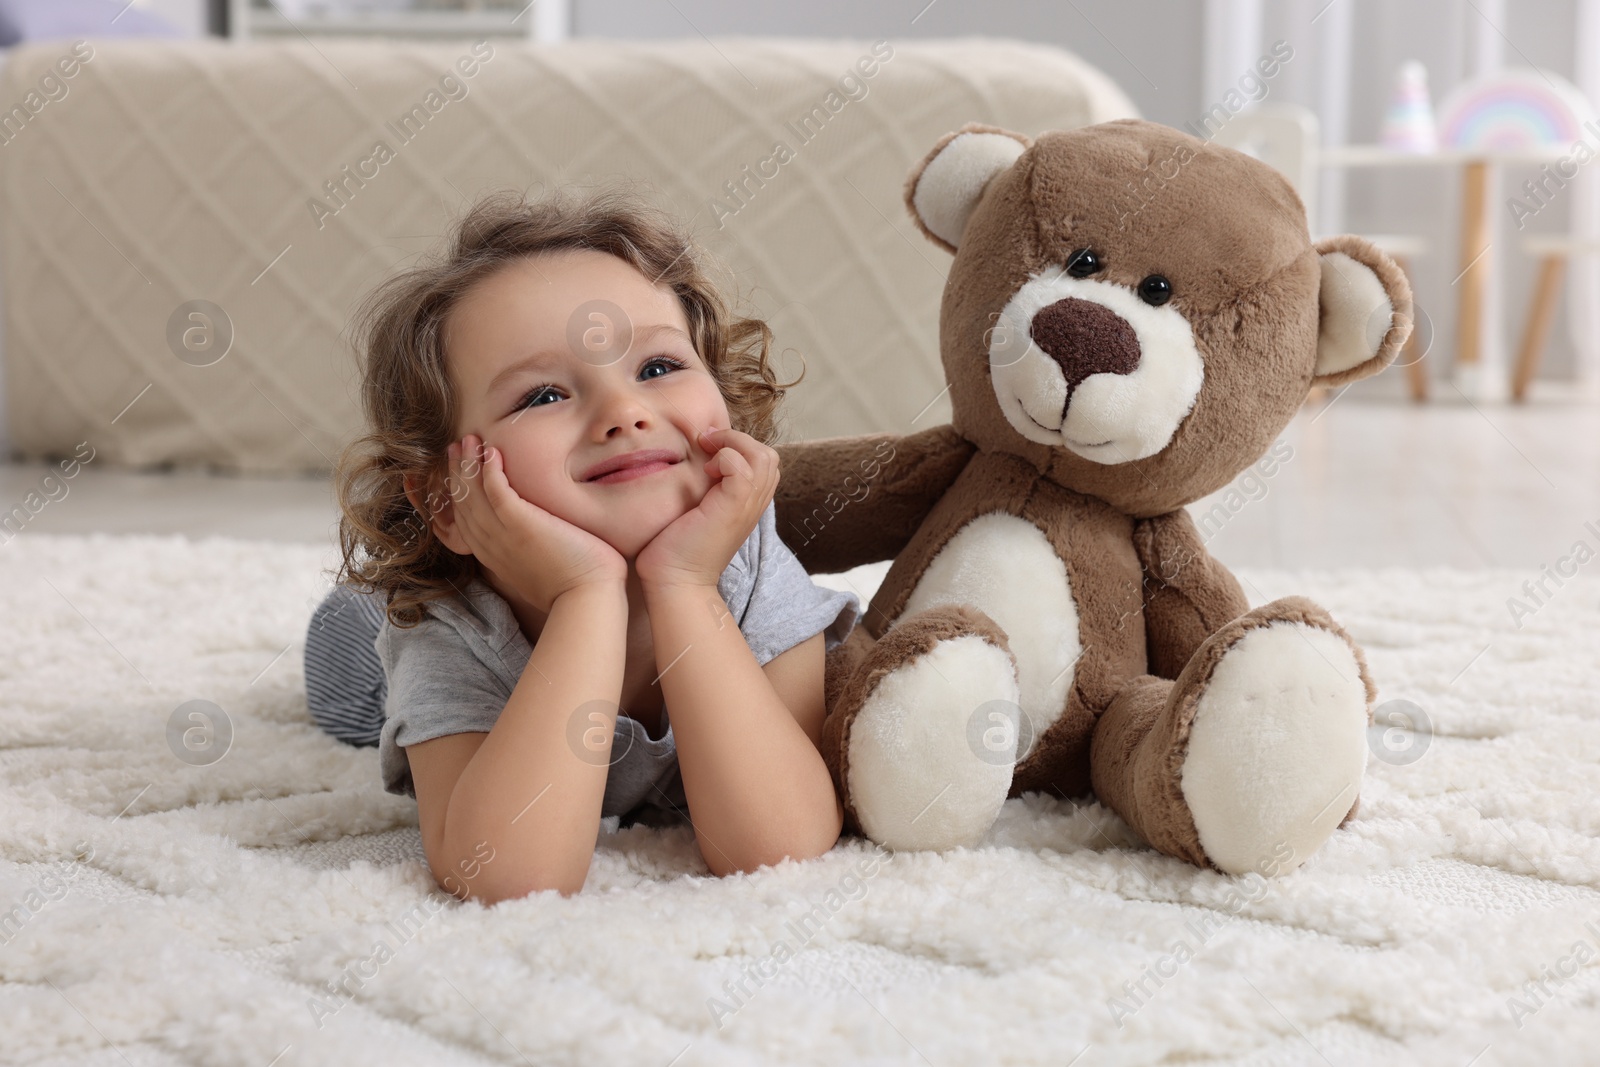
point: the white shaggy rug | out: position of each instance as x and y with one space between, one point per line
271 908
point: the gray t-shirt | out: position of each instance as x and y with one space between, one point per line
454 671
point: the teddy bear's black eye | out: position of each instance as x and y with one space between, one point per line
1083 263
1155 290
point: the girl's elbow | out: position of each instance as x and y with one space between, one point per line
820 839
490 892
492 895
800 847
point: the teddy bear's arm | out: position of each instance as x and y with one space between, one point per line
845 501
1188 594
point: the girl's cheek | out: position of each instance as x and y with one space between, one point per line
544 486
512 467
527 485
715 409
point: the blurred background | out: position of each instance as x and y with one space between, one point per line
1448 131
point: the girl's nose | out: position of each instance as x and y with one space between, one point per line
620 410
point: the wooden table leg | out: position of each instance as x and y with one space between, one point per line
1474 264
1545 292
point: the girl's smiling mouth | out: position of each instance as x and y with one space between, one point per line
631 465
628 474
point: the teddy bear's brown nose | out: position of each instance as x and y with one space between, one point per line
1085 338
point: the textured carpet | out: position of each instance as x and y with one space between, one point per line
270 907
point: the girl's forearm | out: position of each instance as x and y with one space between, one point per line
757 787
527 791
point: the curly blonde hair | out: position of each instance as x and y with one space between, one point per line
387 544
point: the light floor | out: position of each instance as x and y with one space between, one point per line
1369 484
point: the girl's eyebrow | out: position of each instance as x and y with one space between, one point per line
547 361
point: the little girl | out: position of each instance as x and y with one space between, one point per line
563 500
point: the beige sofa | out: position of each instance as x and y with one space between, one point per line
248 177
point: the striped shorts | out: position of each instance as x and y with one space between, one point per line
345 684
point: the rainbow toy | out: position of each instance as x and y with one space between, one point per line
1513 109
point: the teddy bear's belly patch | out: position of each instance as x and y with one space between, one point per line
1005 566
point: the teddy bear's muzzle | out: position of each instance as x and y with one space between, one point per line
1089 366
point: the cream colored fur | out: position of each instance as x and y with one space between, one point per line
1004 566
914 778
953 181
1277 748
1356 313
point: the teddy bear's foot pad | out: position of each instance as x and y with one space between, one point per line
917 779
1277 747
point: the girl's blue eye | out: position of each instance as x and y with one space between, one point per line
537 392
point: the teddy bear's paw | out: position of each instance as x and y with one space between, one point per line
928 764
1277 745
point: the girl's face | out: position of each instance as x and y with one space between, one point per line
571 358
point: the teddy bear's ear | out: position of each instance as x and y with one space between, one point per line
1365 310
942 190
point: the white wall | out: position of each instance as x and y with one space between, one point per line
189 16
1151 47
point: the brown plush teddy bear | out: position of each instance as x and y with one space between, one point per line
1131 318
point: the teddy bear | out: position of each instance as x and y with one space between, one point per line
1131 317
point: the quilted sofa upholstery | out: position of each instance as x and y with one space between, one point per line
173 172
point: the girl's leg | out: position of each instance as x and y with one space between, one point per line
345 685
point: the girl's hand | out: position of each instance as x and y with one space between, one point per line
539 554
696 547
